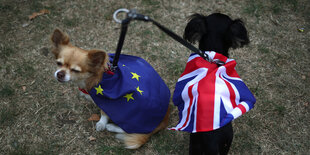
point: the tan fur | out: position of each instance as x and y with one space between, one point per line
92 64
73 56
96 71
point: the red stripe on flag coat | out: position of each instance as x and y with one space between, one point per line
208 97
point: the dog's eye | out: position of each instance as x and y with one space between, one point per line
75 71
59 63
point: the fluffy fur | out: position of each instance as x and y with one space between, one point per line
216 32
85 68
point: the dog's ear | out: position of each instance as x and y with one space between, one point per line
237 34
97 59
59 38
195 28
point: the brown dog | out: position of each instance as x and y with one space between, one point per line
86 68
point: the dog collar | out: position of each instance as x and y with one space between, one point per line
84 91
109 71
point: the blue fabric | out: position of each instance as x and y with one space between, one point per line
135 97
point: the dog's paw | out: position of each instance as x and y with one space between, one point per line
100 126
113 128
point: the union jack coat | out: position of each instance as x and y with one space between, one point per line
208 97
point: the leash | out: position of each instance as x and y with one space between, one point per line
133 15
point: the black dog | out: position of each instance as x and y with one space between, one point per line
216 32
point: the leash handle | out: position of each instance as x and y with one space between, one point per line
133 15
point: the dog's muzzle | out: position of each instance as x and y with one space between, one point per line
61 76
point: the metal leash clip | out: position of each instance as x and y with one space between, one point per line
117 12
131 14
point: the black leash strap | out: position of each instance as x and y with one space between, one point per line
181 40
120 43
133 15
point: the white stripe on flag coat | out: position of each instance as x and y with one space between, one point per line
208 97
191 102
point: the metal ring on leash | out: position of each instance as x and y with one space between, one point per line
133 15
118 11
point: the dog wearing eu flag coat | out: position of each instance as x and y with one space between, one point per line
133 96
210 96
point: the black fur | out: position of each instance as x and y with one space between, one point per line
216 32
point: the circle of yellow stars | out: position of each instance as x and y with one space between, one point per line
128 96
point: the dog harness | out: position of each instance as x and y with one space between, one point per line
134 97
209 96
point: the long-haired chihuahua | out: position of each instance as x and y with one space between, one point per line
137 111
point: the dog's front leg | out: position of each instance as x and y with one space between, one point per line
101 124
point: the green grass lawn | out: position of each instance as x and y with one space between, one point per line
39 115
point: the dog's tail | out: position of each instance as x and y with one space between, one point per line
134 141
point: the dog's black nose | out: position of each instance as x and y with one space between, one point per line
61 75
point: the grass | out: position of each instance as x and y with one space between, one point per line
6 52
8 112
38 115
71 22
5 8
7 115
259 8
26 69
254 8
113 150
263 50
280 110
6 91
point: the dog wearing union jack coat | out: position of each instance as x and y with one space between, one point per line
209 96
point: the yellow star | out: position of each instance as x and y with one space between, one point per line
129 96
135 76
124 65
99 90
140 91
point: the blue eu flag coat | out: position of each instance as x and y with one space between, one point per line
134 97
